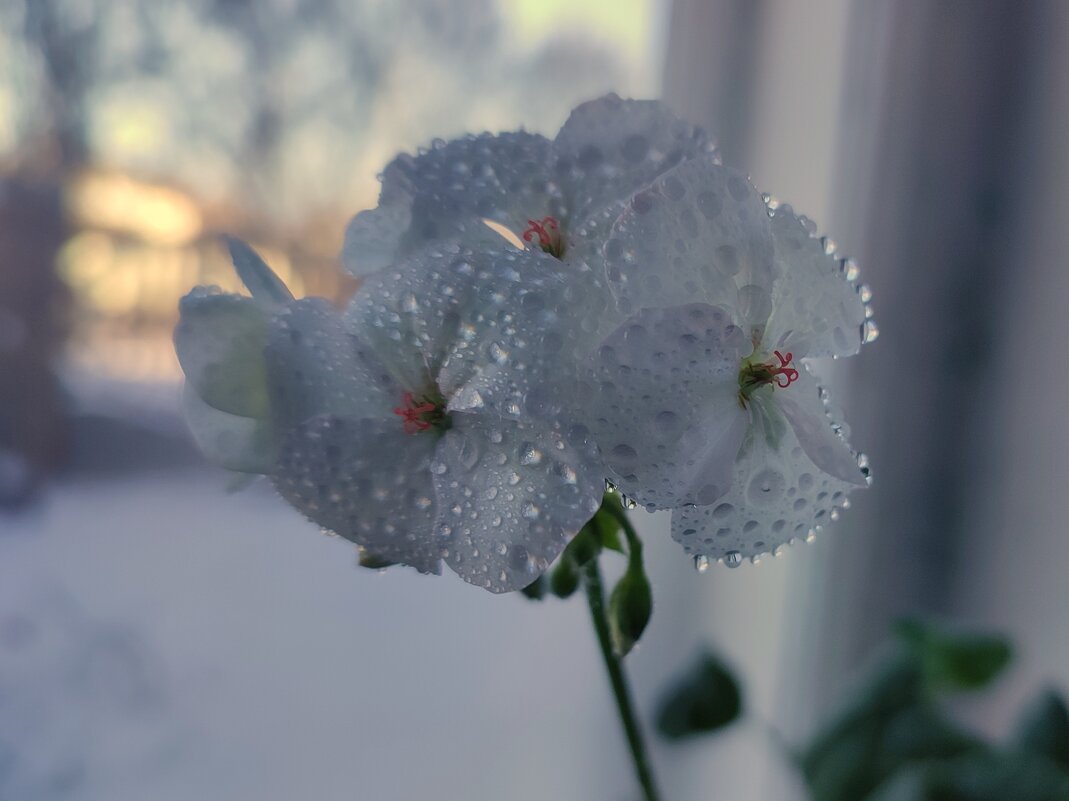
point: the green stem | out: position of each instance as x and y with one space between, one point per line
614 666
617 511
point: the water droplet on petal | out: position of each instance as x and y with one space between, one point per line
529 454
869 331
498 353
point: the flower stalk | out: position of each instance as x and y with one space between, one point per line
621 691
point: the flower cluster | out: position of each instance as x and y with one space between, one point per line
537 318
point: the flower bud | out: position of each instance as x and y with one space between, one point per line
630 605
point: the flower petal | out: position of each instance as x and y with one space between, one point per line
445 193
610 148
512 494
663 404
266 288
237 443
220 341
413 313
485 328
817 310
373 237
698 233
365 480
804 407
777 494
531 318
316 366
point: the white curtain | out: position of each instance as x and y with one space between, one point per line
927 138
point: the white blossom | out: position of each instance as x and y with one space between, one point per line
220 341
412 424
699 400
560 195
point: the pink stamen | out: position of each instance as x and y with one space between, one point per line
548 232
413 414
783 371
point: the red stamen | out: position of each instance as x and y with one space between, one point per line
413 414
548 232
788 373
538 228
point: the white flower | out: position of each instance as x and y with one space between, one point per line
560 195
413 425
220 341
699 400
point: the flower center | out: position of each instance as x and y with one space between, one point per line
549 236
423 412
755 375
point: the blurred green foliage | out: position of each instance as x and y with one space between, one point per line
895 740
705 699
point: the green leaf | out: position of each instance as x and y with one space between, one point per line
953 660
876 747
536 590
888 721
923 732
704 700
1044 728
987 776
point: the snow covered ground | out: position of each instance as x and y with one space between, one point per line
162 639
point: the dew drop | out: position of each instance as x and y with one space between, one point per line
529 454
498 353
869 331
766 487
701 563
469 453
733 559
666 422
